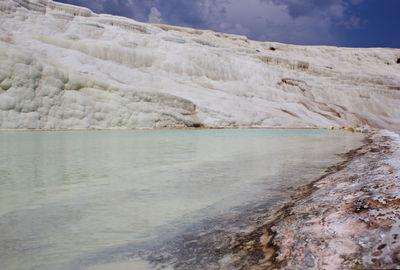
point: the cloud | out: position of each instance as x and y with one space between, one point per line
155 16
354 22
291 21
299 8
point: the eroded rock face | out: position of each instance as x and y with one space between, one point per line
39 96
65 67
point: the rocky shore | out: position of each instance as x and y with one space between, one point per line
347 219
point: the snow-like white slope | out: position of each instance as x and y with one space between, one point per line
64 67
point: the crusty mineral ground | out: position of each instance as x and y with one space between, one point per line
346 220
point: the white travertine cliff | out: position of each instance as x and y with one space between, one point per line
64 67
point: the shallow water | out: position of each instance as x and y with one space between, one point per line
65 196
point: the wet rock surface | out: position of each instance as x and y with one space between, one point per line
351 218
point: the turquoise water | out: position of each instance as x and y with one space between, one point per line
65 195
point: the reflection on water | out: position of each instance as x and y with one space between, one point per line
67 194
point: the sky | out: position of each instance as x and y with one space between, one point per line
345 23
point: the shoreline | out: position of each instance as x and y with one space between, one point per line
351 129
338 221
236 241
221 246
265 234
342 220
257 250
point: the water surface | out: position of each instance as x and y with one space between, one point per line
67 195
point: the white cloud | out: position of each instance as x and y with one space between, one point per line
155 16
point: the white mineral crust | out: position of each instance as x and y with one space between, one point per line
65 67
